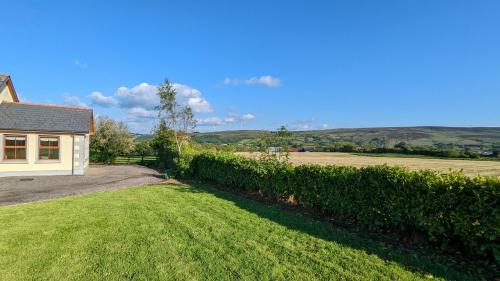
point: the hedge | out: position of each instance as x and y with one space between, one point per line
449 209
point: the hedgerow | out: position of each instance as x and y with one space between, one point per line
449 209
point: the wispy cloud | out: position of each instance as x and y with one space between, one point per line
231 118
231 81
309 124
247 117
265 80
97 98
80 63
73 100
138 102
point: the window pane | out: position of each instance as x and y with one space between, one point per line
20 153
54 142
10 153
54 154
49 142
44 142
44 153
10 141
20 141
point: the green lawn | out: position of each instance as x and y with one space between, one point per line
191 233
134 160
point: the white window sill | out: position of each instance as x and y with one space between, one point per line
47 161
14 161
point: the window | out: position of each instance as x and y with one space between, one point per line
14 148
48 148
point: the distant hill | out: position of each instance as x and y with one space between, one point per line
475 138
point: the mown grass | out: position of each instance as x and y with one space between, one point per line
191 233
134 160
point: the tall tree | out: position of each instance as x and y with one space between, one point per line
179 118
143 148
164 147
277 146
111 139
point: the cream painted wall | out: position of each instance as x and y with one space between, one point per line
32 163
5 95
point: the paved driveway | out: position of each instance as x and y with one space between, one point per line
15 190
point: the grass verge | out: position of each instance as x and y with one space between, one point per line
192 233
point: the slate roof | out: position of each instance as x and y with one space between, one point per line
45 118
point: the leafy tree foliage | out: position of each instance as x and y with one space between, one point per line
174 116
164 146
111 139
143 148
277 146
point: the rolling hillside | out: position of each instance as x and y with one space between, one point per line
475 138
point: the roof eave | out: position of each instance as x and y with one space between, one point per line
91 126
12 90
17 131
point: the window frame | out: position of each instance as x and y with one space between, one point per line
58 147
5 147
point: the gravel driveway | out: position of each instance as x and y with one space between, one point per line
15 190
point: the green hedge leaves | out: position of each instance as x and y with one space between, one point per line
450 209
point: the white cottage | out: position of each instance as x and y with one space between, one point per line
37 139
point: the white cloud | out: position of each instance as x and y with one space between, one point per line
139 112
138 105
309 124
303 125
231 81
73 100
143 95
193 98
230 119
266 80
248 116
146 96
210 121
80 64
97 98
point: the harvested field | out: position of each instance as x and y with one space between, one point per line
469 167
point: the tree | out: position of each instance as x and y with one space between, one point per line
496 153
174 116
111 139
143 148
402 146
164 147
277 146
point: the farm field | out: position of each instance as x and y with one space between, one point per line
182 232
469 167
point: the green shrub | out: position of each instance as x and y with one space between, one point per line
450 209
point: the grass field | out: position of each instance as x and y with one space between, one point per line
134 159
193 233
470 167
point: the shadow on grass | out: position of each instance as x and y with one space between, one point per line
426 263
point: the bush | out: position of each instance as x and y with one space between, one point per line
450 209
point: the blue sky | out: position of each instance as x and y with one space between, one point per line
261 64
